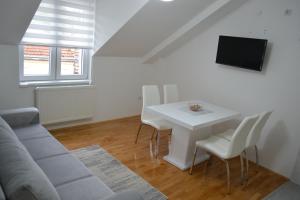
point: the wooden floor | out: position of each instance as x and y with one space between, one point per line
117 137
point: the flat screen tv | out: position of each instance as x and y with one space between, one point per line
241 52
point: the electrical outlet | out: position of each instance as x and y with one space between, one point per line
288 12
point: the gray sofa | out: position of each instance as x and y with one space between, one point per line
34 165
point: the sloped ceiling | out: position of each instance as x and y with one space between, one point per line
111 15
208 17
141 28
152 24
15 17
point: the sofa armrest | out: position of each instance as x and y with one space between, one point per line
21 117
127 195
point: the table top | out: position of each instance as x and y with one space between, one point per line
180 114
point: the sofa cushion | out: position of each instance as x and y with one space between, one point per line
89 188
126 195
32 131
7 137
20 117
44 147
4 125
2 196
20 176
62 169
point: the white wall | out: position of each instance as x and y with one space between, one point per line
296 172
11 95
193 68
118 84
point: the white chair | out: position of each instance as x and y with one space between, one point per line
253 136
225 149
151 97
171 94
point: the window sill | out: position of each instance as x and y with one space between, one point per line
54 83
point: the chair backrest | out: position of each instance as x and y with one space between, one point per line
171 94
255 132
239 137
151 97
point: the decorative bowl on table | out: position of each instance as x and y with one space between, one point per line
195 107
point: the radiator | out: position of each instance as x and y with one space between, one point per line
67 103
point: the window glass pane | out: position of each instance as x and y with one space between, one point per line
36 61
71 61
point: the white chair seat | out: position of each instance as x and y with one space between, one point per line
151 97
216 145
227 134
159 124
226 148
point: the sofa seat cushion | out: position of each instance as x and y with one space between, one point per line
44 147
90 188
62 169
5 126
20 177
32 131
8 137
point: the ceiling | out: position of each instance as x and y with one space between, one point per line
148 29
151 25
15 17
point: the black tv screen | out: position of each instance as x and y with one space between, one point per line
246 53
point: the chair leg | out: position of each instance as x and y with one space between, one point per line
157 143
156 135
247 166
209 163
137 135
228 176
242 168
170 135
195 154
206 164
154 130
256 155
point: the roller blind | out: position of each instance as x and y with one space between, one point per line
62 23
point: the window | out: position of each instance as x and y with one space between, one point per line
70 61
37 61
41 63
58 41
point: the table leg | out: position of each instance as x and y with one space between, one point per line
182 146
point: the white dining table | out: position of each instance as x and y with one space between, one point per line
188 127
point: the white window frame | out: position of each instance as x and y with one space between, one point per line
55 67
50 76
84 63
